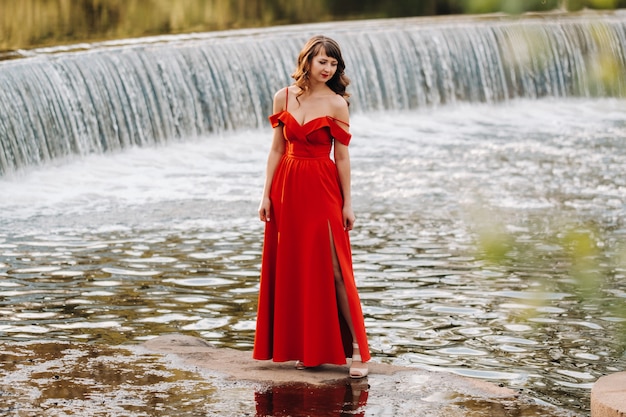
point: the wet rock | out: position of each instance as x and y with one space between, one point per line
388 390
176 340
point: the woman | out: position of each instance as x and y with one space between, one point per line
309 309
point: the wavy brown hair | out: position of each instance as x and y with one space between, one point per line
338 83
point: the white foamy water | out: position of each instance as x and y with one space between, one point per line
549 154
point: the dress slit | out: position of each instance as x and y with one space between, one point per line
344 259
346 335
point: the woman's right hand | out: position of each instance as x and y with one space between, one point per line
264 209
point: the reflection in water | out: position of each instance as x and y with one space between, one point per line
344 399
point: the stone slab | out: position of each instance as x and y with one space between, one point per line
388 390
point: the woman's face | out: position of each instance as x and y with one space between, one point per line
322 68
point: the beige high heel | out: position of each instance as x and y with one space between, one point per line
356 357
300 365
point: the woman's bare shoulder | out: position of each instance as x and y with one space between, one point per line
281 94
339 107
280 99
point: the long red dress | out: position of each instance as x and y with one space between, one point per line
298 317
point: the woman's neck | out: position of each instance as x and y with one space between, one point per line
317 89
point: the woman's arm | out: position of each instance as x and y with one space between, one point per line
342 160
277 150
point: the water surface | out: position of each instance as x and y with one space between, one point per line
115 249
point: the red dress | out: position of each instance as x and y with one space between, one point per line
298 317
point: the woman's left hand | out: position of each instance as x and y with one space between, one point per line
348 218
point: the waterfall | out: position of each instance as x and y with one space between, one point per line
113 96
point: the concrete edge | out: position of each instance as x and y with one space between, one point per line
608 396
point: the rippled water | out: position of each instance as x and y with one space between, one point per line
121 248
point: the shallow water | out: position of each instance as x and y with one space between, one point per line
67 379
120 248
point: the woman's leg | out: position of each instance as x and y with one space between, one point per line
342 301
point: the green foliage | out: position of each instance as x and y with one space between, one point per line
583 255
574 5
493 242
582 259
508 6
517 7
32 23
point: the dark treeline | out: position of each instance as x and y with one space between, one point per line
439 7
33 23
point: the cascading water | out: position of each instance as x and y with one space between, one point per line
112 97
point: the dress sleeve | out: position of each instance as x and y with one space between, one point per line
275 119
338 133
